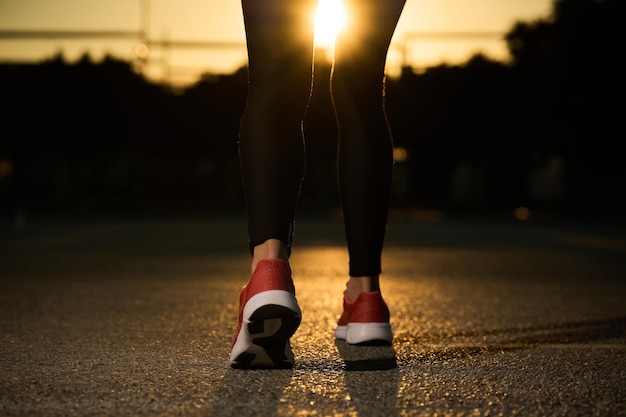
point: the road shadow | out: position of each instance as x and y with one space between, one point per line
266 386
475 342
371 378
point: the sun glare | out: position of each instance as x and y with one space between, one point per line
329 19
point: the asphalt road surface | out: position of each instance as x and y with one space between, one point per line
135 317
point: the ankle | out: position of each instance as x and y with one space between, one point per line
357 285
270 249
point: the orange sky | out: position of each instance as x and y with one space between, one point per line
220 20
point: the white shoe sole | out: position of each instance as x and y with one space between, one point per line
363 333
269 319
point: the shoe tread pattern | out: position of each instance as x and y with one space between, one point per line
273 344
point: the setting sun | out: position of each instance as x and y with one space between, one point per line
329 19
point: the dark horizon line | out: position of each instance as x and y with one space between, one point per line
18 34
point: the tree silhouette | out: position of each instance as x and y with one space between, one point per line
569 71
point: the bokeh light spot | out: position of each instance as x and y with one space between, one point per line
521 213
400 154
6 167
142 50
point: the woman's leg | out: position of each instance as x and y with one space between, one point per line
271 145
365 159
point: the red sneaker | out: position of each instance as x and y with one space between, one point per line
365 320
268 316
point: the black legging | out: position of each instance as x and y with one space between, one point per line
280 48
